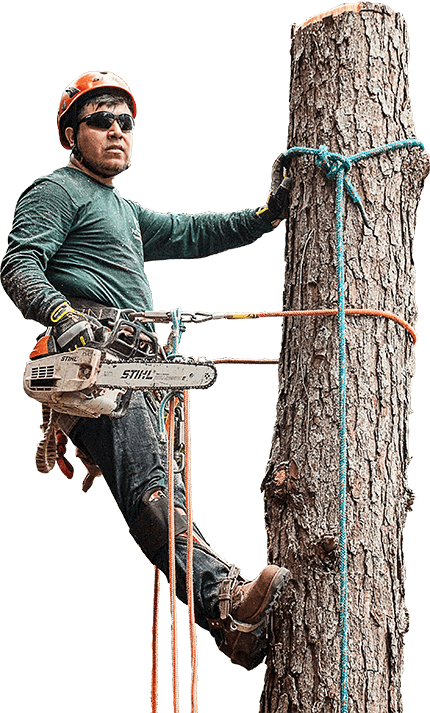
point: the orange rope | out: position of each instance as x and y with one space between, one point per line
172 563
172 571
154 678
328 312
227 360
190 589
310 313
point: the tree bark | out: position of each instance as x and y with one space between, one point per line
349 90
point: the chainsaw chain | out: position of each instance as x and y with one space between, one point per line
153 360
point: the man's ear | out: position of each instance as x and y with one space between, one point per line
70 136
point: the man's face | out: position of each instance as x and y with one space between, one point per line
107 151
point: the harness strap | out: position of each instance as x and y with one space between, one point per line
226 620
225 592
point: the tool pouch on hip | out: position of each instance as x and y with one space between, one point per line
150 528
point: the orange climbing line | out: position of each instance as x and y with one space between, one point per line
172 555
228 360
154 677
326 313
172 569
190 589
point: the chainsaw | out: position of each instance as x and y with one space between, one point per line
99 379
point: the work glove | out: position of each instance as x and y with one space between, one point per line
276 208
70 328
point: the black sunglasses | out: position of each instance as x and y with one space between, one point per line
105 119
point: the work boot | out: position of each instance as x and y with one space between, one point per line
244 610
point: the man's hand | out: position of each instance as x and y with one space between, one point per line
276 208
70 328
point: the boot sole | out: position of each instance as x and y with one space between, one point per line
279 583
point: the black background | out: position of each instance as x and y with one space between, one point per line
211 87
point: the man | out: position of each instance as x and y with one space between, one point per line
75 241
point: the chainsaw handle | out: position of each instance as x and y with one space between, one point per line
127 339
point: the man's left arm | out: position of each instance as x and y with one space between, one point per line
173 236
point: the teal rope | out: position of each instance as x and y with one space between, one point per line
336 166
178 328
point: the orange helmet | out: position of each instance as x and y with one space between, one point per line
85 84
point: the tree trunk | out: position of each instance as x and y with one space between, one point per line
349 90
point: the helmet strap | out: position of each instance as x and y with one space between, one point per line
81 160
77 154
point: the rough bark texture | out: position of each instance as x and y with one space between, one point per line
349 90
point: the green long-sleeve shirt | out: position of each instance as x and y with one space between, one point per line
75 237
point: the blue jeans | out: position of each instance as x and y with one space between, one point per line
133 461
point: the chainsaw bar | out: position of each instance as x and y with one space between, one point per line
150 374
89 369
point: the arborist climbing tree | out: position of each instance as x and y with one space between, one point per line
336 489
65 269
75 263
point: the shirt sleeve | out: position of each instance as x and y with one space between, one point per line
169 236
43 218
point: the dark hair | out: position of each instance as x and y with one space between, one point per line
101 98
